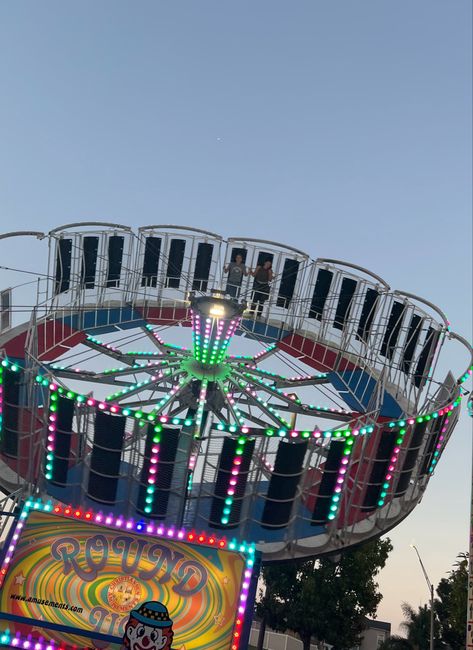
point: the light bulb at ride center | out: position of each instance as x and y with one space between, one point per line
214 321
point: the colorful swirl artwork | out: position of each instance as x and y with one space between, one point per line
88 577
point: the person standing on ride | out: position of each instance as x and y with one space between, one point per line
263 275
236 270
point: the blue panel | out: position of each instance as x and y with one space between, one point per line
362 385
302 528
101 321
263 332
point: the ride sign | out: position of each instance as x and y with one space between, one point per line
67 578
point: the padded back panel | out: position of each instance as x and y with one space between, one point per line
115 257
90 247
411 458
434 437
347 292
164 471
425 356
288 283
106 457
413 334
11 411
149 276
225 465
393 329
202 267
283 484
328 482
379 468
63 436
175 261
321 290
63 265
367 314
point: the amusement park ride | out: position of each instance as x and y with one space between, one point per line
147 408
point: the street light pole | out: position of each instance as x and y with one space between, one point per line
469 615
431 589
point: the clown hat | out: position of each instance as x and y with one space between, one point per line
152 613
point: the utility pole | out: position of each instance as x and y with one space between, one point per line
431 589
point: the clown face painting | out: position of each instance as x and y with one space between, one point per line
148 628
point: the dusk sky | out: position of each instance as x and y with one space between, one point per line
339 128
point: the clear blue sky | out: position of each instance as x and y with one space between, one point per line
341 128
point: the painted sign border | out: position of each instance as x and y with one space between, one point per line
144 527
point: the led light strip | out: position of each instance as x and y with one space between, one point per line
168 372
107 346
112 408
171 396
289 398
333 433
153 469
439 446
237 415
233 481
341 476
112 521
264 405
162 342
200 408
1 403
282 432
150 354
51 437
266 350
392 465
134 387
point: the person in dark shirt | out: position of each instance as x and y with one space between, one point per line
263 275
236 270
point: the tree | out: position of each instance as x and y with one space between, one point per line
396 643
451 605
325 599
417 626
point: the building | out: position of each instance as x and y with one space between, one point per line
376 632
